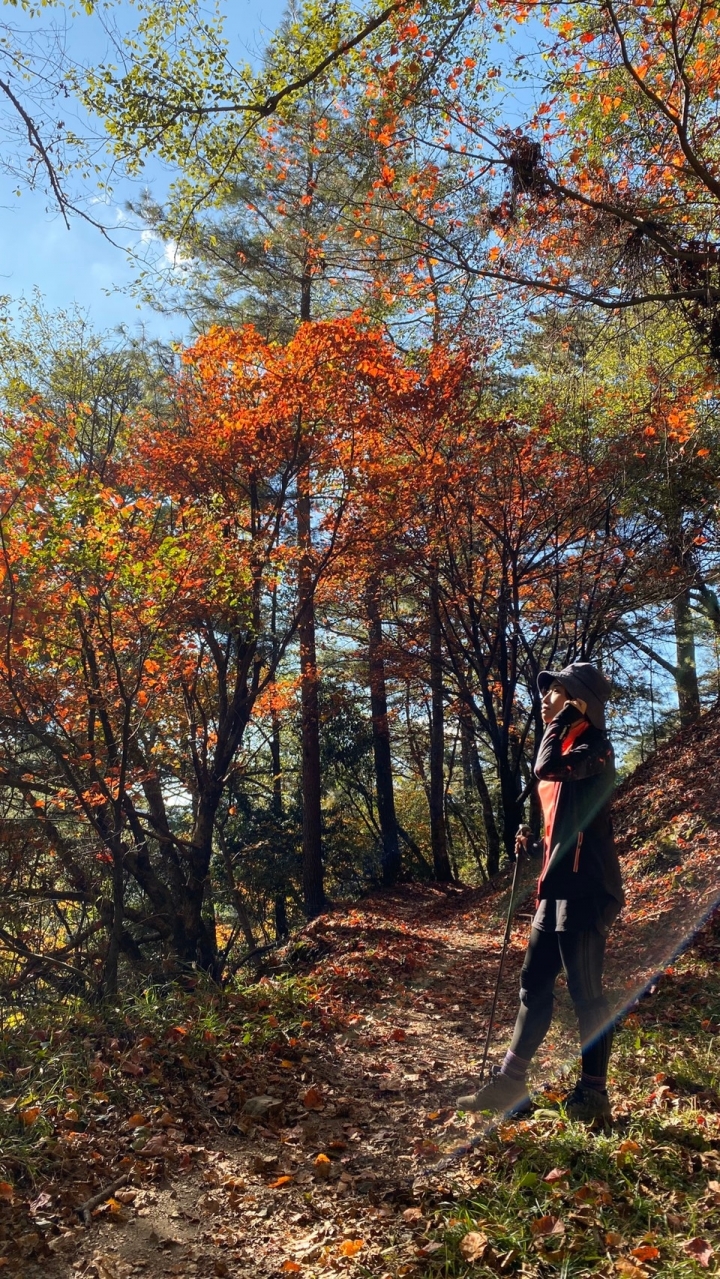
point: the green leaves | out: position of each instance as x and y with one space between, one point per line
182 95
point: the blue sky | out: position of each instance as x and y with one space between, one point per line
80 266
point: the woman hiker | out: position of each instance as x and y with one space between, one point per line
579 895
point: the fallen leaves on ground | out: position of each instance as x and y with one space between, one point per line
351 1247
473 1246
700 1251
628 1268
646 1252
332 1159
547 1225
322 1166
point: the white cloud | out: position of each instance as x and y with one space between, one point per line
174 255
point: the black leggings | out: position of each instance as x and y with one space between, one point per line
581 955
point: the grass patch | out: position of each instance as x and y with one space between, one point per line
69 1071
552 1198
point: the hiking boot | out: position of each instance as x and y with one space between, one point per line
501 1094
588 1106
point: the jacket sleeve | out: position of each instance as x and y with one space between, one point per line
584 759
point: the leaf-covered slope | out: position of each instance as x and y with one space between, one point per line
679 783
667 825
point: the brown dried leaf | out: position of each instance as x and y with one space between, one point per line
426 1149
700 1251
543 1225
628 1268
219 1096
155 1146
626 1150
473 1246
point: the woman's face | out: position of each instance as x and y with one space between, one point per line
553 701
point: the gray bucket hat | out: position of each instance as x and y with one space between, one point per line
583 680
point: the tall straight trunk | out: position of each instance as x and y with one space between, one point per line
313 886
282 928
281 923
275 758
686 669
470 754
391 864
201 939
240 907
110 972
511 810
452 858
438 835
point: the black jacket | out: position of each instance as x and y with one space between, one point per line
581 860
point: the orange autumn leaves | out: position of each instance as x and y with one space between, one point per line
191 527
606 189
248 408
135 594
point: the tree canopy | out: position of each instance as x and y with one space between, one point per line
275 600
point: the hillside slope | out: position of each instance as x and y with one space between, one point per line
667 824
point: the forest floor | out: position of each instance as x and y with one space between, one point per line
294 1126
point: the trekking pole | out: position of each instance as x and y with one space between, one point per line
524 831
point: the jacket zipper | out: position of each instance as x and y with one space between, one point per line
578 846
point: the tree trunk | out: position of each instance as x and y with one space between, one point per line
686 677
511 811
275 757
470 752
452 856
710 604
281 923
200 937
240 907
110 973
391 864
282 929
438 837
313 886
416 851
